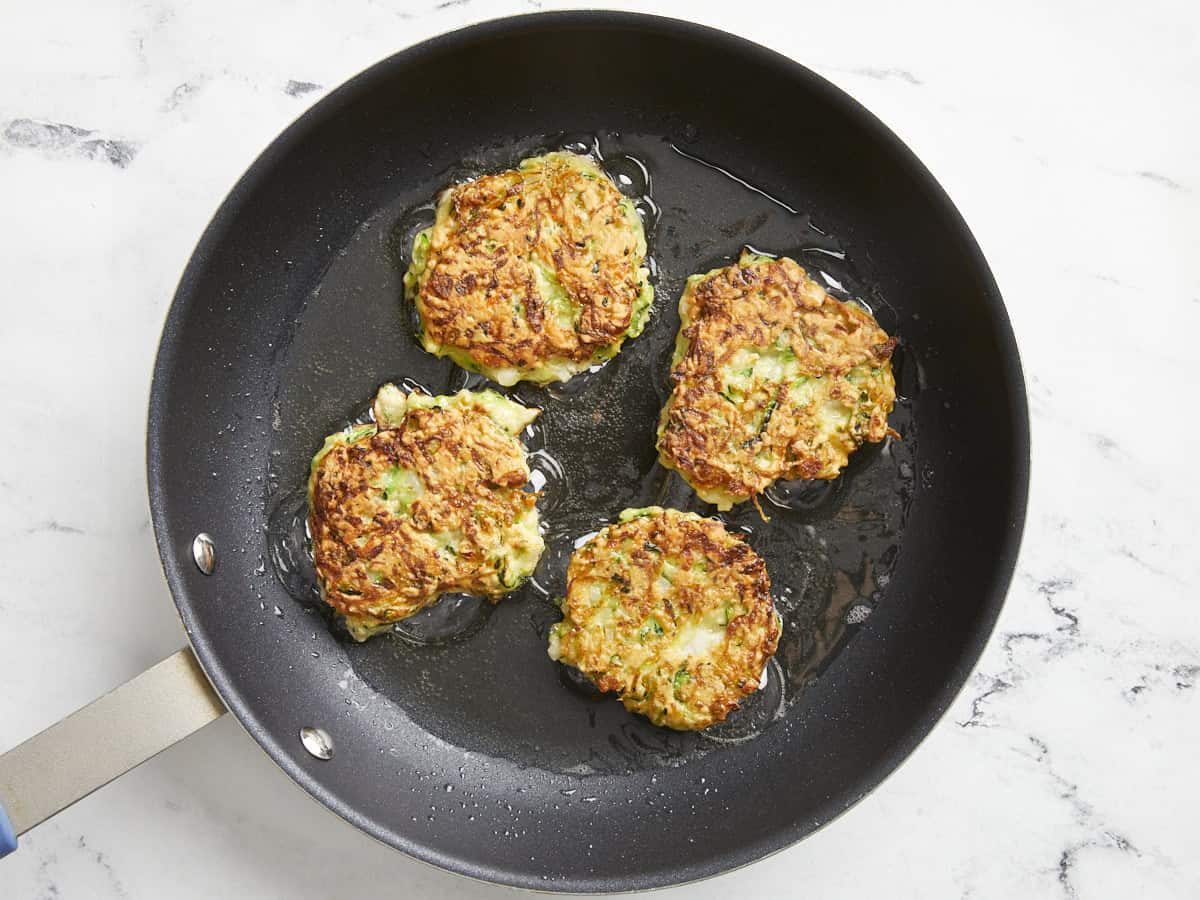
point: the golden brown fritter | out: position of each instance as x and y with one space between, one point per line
427 500
670 611
533 274
773 378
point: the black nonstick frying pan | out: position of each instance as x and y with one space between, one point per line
458 741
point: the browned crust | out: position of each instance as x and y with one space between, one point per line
732 573
472 472
482 269
721 446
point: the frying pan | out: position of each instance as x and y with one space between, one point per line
459 742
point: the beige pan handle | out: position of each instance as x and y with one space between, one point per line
101 741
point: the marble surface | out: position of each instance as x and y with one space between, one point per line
1069 135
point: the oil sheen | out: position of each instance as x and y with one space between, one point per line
830 547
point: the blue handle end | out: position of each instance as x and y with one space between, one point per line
8 837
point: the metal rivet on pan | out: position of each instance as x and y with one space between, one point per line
204 552
317 742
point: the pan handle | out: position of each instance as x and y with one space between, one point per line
101 741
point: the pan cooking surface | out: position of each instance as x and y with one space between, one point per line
460 741
490 688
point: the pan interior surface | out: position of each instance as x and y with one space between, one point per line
459 741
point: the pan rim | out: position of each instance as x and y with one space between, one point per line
174 559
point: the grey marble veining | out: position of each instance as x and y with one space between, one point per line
1068 136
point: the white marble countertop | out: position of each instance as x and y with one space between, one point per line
1069 136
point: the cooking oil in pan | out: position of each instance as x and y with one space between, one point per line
830 547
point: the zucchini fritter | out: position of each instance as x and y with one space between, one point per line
773 378
672 612
533 274
427 500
